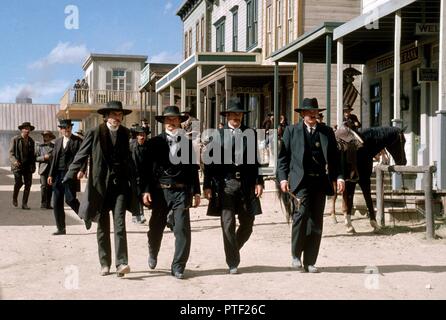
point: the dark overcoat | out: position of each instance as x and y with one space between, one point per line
97 146
215 173
16 154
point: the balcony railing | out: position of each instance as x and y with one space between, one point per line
99 97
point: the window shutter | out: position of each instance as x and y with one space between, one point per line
108 80
129 81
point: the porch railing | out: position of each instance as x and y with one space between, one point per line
99 97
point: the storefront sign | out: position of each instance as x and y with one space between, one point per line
427 28
406 56
427 74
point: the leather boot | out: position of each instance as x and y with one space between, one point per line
15 195
25 199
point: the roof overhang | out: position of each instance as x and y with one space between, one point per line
311 44
373 33
113 57
209 61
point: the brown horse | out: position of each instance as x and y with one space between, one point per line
374 140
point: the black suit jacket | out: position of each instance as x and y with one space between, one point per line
291 156
72 148
158 158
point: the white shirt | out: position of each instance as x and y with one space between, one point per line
65 142
113 132
172 139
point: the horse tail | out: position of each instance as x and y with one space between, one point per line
285 202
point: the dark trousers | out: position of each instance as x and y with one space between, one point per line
63 191
306 232
233 239
165 201
115 202
24 177
46 192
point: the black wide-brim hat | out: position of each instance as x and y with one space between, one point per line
49 133
27 124
171 111
310 105
114 106
234 106
64 123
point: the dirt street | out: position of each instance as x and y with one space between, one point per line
398 263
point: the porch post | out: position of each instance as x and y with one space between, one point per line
397 180
328 41
183 94
228 89
276 110
199 105
441 113
339 82
300 77
172 96
217 101
160 110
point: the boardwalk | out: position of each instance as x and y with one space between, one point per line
36 265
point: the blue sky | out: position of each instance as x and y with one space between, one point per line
41 58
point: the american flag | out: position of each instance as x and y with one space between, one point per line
350 94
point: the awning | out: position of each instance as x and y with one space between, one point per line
372 34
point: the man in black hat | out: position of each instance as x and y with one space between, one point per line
145 124
307 166
350 119
232 182
65 149
23 163
110 185
190 122
139 148
171 188
44 156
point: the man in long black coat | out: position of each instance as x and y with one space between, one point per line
111 185
44 156
172 186
65 149
232 182
308 165
23 163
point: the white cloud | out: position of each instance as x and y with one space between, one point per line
42 91
166 57
63 53
168 7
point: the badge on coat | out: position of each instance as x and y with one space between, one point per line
317 144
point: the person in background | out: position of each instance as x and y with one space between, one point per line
23 163
44 156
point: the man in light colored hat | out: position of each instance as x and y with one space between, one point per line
65 149
232 182
23 163
44 156
172 186
111 184
307 166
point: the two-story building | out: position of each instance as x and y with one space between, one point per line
109 77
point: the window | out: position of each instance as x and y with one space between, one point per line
197 37
279 30
252 17
375 105
235 31
269 27
290 24
118 80
202 34
220 36
185 45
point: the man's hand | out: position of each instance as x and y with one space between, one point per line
259 190
208 193
146 199
46 157
284 186
50 181
196 201
341 186
80 175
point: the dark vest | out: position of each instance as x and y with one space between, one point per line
314 161
62 161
